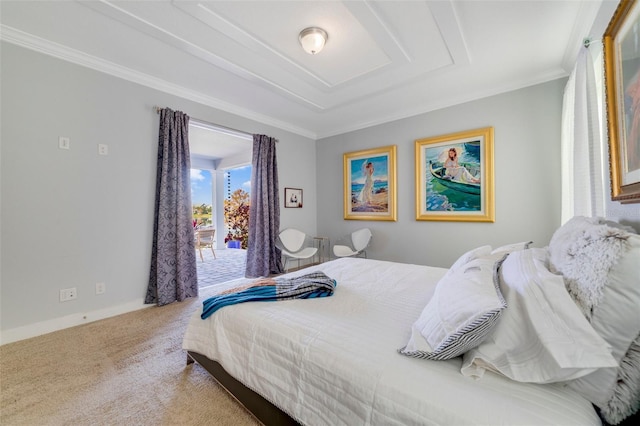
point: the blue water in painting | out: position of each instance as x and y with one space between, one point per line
441 198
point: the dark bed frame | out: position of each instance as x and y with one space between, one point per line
267 413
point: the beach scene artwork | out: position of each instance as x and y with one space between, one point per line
370 184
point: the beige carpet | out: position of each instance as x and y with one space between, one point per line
125 370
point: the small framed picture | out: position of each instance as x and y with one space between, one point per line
293 198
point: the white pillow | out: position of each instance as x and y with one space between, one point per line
464 308
469 256
508 248
542 337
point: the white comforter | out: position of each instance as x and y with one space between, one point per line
334 361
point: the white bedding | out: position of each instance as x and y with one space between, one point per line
334 361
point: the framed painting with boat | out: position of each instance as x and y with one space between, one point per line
454 177
370 184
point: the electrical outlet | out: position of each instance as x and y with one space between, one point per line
103 149
101 288
67 294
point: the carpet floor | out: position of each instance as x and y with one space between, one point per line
125 370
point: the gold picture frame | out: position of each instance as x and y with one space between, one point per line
622 83
454 177
369 178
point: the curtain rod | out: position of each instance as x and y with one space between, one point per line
215 127
587 41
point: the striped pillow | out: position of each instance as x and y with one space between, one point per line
465 306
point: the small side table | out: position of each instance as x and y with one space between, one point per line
322 243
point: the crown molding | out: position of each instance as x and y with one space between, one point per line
582 28
65 53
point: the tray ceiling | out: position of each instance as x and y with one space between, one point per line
384 60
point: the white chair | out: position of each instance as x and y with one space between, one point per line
295 245
359 241
204 238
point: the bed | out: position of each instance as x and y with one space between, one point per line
361 356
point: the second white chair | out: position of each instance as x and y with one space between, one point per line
360 240
294 245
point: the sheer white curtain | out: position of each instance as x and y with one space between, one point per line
582 141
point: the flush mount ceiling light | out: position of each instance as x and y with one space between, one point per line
312 39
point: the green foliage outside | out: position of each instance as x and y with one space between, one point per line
202 215
236 217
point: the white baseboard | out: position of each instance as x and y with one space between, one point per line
49 326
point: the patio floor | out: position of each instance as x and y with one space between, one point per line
228 265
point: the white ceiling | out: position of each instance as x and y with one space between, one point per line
219 148
384 60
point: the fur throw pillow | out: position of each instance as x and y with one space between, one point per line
599 263
584 253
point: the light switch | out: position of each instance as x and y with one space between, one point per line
103 149
64 142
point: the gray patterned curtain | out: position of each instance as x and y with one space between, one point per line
173 274
263 257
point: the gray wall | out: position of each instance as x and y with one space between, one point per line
527 175
73 218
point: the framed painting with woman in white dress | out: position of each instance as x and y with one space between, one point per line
370 184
